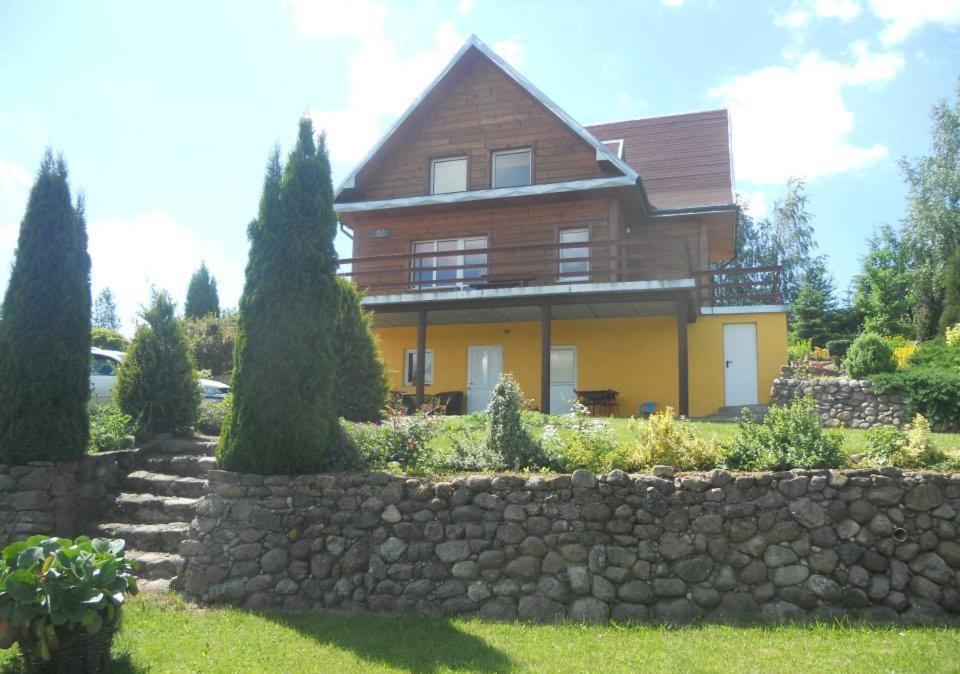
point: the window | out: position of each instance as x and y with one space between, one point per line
573 263
103 366
616 146
448 175
429 272
410 368
512 168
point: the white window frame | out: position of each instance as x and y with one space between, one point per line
619 149
563 276
409 357
493 165
460 254
443 160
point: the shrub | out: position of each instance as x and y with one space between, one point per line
402 440
212 414
952 336
53 586
110 429
105 338
799 350
577 440
913 448
202 297
869 354
506 434
45 331
933 392
820 353
668 440
838 347
210 339
470 452
901 354
788 437
156 384
934 354
361 381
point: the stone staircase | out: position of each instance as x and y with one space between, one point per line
158 502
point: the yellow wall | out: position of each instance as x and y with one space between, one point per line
635 356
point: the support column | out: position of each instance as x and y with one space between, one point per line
421 355
683 368
545 359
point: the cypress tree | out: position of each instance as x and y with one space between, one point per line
284 417
156 384
361 386
202 297
951 304
45 331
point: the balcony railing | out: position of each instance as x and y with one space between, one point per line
549 264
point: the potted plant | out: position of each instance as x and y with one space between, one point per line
60 599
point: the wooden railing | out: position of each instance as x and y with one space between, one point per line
739 286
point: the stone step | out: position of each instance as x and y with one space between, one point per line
155 509
156 565
202 445
146 482
146 537
187 465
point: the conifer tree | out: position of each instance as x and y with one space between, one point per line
105 311
814 309
361 385
202 297
951 294
45 331
284 416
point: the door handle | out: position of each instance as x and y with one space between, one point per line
729 363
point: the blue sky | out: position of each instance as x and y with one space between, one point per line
166 112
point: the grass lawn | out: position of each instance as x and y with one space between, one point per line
167 636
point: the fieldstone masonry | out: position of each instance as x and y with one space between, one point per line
851 403
878 544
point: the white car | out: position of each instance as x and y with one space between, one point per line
103 377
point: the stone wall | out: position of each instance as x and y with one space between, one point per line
875 543
57 498
850 403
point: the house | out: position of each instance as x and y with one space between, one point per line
492 232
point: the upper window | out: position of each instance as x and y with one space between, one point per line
449 262
512 168
616 146
448 175
574 260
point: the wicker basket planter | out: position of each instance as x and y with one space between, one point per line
78 652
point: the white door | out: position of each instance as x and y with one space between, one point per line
484 365
563 378
740 364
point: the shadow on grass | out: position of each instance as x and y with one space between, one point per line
417 643
120 663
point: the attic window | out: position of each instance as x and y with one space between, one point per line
512 168
448 175
616 146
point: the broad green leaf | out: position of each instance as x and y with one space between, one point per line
95 601
101 545
21 586
92 621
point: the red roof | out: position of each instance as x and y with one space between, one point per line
683 160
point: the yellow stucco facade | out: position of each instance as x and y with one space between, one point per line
635 356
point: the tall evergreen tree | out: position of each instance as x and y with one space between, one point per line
105 311
882 292
202 297
45 331
361 384
284 416
793 238
815 307
951 294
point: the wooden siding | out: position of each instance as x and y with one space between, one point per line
478 112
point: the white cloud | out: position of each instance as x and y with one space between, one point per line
465 6
797 18
14 182
335 18
793 120
672 3
510 50
903 17
131 255
803 11
757 205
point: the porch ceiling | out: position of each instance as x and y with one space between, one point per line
517 314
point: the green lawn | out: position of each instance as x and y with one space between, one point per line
173 637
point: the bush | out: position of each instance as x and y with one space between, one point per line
52 586
838 347
156 384
110 429
105 338
952 336
937 355
577 440
913 448
789 437
931 391
401 441
902 354
668 440
361 383
210 340
869 354
799 350
212 414
506 434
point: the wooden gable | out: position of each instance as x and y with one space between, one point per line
476 110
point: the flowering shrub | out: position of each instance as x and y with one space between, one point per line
669 440
403 441
901 354
820 353
799 350
913 448
577 440
952 335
